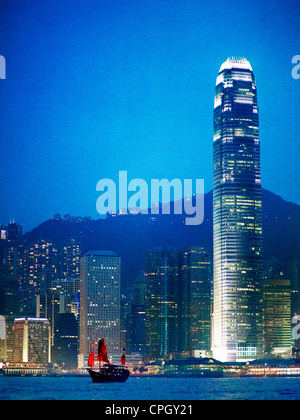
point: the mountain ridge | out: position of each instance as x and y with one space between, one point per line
130 236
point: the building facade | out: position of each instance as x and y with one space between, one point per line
162 271
32 341
196 301
137 325
277 317
237 212
100 277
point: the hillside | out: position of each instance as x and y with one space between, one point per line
131 236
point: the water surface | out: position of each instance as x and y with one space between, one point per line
150 389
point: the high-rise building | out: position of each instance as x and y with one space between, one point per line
66 341
47 306
69 264
162 270
293 273
172 277
9 302
137 318
14 232
237 212
277 317
6 338
196 301
154 304
37 266
31 338
100 277
65 290
9 293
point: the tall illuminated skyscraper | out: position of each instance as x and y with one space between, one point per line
237 202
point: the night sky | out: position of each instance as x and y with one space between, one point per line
96 87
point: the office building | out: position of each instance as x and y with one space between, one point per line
196 301
137 324
162 271
32 341
100 277
237 213
277 317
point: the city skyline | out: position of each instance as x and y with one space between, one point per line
237 188
197 283
174 294
133 92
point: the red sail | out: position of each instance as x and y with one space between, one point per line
102 352
91 362
123 359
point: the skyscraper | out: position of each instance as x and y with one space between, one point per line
14 232
277 317
138 316
162 270
99 301
37 266
155 302
237 202
196 301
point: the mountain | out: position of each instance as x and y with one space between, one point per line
130 236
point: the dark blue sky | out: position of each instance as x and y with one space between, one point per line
95 87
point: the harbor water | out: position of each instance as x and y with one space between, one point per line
159 389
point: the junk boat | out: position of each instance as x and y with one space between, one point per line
107 372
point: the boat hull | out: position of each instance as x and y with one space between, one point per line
109 374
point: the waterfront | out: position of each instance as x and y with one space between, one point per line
51 388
